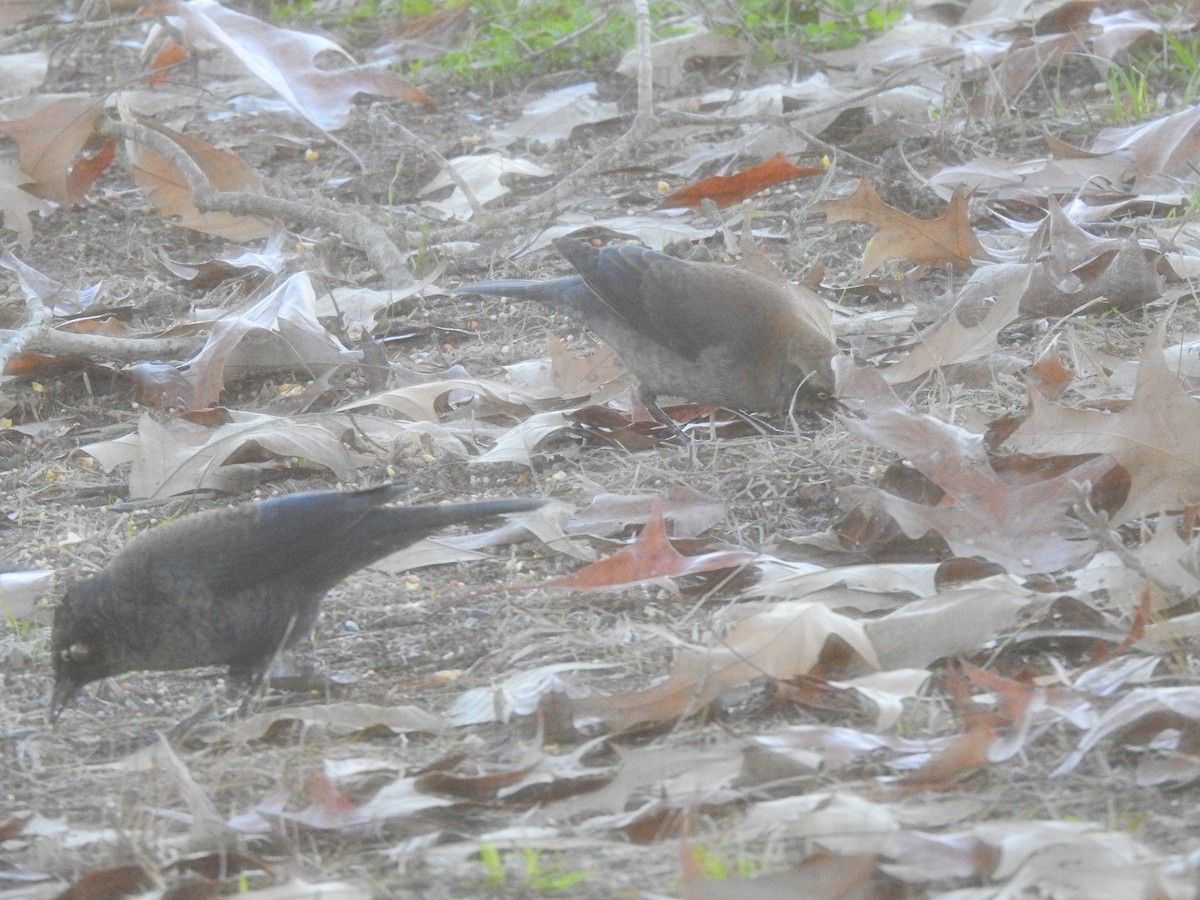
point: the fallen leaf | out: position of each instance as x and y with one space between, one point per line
51 143
168 190
286 318
946 240
951 342
1017 520
649 560
1156 438
284 59
783 641
726 190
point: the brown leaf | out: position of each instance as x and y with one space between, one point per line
1165 146
168 190
1048 377
1156 438
1124 279
169 55
51 140
649 559
110 884
1071 16
965 755
1017 520
950 342
726 190
946 240
783 641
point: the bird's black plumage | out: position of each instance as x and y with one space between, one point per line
232 586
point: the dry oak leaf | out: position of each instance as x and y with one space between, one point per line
951 342
649 560
782 641
16 203
169 193
51 144
1169 145
947 239
285 60
726 190
1022 526
1156 438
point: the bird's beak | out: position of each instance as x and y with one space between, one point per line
64 692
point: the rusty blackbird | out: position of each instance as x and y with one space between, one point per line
701 331
232 586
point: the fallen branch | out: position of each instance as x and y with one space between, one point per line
372 239
66 343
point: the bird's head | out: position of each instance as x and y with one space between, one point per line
80 647
816 385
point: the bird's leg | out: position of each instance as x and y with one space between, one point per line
258 674
179 733
647 399
252 688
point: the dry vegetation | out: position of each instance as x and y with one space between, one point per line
917 649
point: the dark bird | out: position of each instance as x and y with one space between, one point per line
708 333
233 586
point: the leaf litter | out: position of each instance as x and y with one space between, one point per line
974 681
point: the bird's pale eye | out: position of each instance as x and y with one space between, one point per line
76 653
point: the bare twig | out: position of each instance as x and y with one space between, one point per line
461 183
47 340
1100 531
644 122
29 333
39 34
371 238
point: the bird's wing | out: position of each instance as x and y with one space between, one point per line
682 306
288 537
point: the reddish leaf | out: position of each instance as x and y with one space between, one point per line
649 559
86 169
726 190
168 191
110 884
169 55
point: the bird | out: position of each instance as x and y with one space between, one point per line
708 333
233 586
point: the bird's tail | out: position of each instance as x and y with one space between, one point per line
510 287
431 518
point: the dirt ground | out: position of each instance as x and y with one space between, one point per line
422 638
